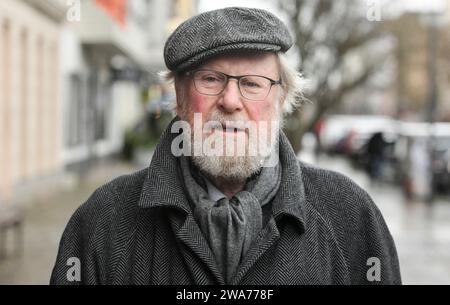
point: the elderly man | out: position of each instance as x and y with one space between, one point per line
225 200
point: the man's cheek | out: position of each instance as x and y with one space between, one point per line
200 106
260 113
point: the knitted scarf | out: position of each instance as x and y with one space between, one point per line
230 225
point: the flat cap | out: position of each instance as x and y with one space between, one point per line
224 31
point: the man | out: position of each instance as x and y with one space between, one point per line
225 200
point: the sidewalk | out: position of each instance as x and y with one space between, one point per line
45 220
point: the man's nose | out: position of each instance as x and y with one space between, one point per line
231 98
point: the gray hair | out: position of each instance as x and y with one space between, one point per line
292 84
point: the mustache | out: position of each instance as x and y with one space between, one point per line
233 120
222 118
228 122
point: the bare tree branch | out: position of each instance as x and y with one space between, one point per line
326 33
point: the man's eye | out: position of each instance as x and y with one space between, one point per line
250 84
210 79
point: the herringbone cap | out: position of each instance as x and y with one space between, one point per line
224 31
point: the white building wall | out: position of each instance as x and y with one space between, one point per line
29 114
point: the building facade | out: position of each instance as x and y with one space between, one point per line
120 52
72 78
30 113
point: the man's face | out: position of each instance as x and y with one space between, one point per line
231 106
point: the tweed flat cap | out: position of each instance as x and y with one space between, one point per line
224 31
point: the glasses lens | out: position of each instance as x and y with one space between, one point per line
209 82
254 87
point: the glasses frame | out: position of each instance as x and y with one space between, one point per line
227 78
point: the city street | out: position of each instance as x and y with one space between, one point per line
421 232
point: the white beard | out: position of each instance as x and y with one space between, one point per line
237 167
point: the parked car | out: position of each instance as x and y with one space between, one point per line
347 134
416 154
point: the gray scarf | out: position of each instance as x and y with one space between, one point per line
230 225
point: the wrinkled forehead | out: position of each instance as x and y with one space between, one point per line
241 63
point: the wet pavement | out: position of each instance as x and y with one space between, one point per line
45 219
421 231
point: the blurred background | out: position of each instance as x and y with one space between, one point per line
81 103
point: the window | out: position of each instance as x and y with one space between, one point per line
76 118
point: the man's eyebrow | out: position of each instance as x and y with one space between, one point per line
240 74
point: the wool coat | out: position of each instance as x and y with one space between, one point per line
320 228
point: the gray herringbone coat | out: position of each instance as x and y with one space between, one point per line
139 229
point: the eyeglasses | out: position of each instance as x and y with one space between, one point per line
251 87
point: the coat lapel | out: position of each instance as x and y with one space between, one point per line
286 203
266 238
192 237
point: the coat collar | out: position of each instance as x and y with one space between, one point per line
164 188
